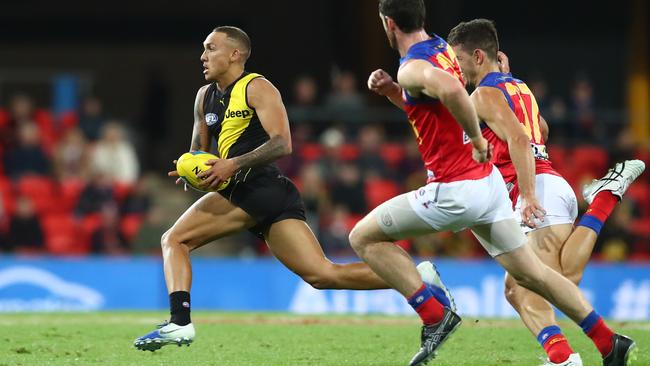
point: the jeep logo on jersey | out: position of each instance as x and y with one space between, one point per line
211 119
238 114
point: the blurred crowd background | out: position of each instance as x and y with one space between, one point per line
93 109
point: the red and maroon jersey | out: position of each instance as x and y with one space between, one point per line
445 148
523 104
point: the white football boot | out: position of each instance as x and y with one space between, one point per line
430 275
167 333
617 180
573 360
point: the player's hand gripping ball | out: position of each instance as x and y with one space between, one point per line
191 164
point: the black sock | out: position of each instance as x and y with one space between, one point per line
179 304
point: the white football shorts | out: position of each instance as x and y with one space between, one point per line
481 205
558 199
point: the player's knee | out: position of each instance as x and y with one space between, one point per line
165 239
511 292
168 240
356 239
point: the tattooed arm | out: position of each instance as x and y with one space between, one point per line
200 134
267 102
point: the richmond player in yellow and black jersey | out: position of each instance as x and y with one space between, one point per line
243 112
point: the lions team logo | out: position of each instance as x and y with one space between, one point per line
211 119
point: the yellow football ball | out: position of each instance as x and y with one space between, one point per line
191 164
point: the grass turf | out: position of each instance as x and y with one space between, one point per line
276 339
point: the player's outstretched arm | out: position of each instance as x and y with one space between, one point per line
492 108
419 76
382 83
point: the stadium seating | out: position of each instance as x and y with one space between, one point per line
393 154
130 225
379 191
62 235
41 191
310 152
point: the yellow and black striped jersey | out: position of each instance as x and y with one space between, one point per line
231 121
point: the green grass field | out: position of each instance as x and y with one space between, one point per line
276 339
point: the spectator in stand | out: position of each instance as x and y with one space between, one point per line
332 139
348 189
314 195
345 94
582 99
25 232
540 90
21 109
369 161
27 157
71 156
95 195
411 170
108 239
138 200
305 92
561 132
91 118
114 156
335 233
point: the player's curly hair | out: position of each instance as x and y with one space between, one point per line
409 15
476 34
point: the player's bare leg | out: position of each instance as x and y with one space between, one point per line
576 252
396 267
536 313
209 218
530 272
295 245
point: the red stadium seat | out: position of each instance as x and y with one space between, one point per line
121 190
641 227
41 191
130 226
62 235
379 191
47 130
8 196
68 120
348 152
590 160
558 155
311 152
393 154
70 191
